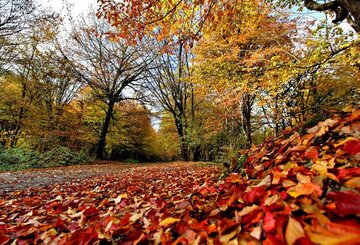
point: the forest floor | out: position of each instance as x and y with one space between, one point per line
42 177
86 203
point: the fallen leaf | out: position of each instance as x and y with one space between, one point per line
168 221
352 147
294 231
269 222
256 232
346 203
304 189
353 183
265 182
247 210
224 239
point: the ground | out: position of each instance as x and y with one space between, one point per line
106 202
20 180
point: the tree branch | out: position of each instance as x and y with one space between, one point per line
340 11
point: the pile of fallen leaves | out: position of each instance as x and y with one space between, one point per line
303 189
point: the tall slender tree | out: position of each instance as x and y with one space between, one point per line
167 82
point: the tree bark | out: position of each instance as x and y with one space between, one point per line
246 114
183 141
344 9
105 128
18 128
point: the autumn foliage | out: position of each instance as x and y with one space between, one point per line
298 189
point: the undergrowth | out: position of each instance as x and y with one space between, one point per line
19 158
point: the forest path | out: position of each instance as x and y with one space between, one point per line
33 178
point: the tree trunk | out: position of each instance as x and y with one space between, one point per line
183 141
184 149
18 128
276 116
246 114
102 141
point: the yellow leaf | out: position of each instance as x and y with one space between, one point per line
320 167
226 238
353 183
265 182
287 183
304 189
118 199
294 231
135 216
344 141
328 233
168 221
271 200
333 177
333 239
303 178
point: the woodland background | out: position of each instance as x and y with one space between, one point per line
199 85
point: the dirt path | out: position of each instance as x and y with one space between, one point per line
20 180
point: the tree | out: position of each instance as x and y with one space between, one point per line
167 83
234 64
37 86
110 67
130 134
322 79
15 16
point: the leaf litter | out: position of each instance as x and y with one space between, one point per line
298 189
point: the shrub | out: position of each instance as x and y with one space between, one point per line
19 158
62 156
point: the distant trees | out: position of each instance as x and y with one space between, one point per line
17 18
130 133
28 74
53 94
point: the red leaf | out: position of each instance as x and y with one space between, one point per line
348 173
312 153
83 237
269 222
346 203
255 195
303 241
91 211
352 147
4 239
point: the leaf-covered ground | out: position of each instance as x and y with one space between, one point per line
300 189
19 180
